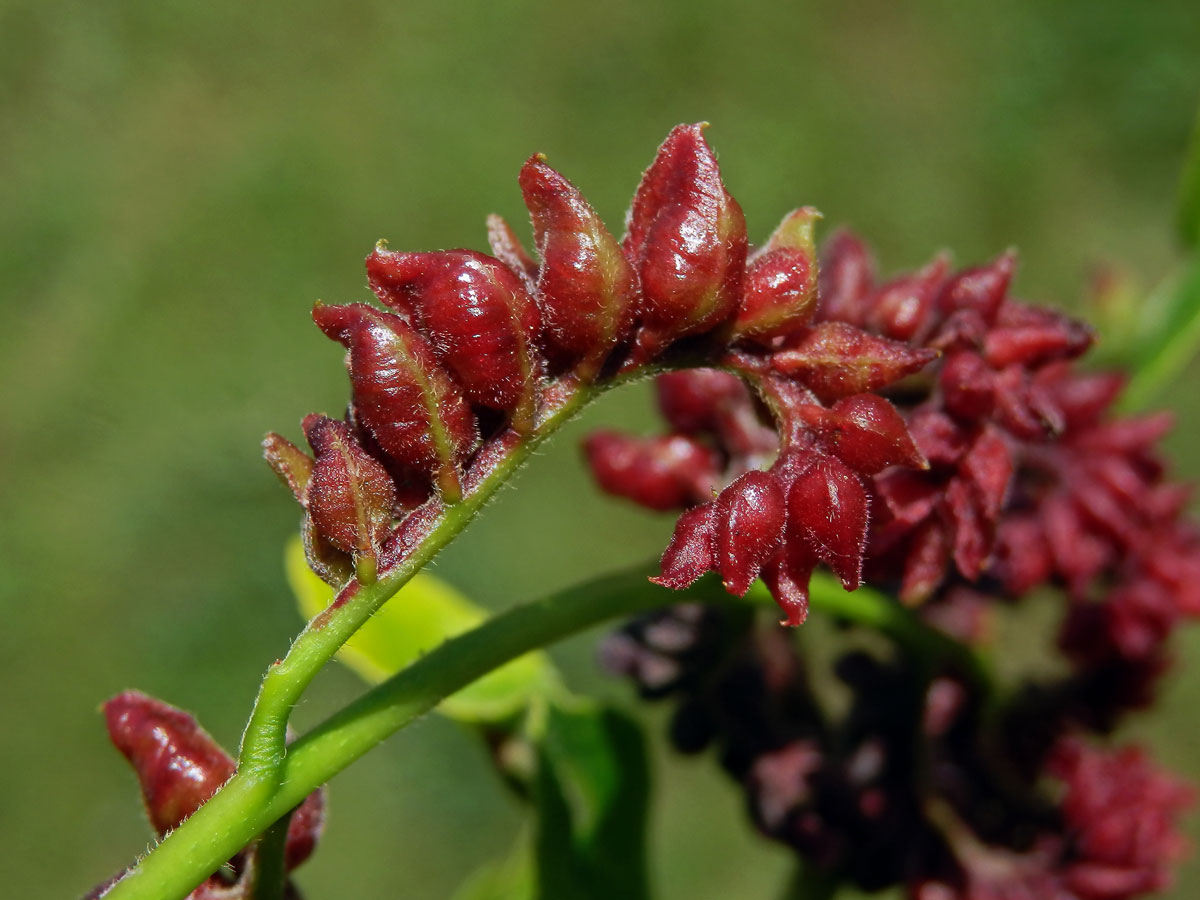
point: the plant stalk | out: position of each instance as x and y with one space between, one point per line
247 805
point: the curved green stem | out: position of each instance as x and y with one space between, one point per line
869 607
247 805
270 869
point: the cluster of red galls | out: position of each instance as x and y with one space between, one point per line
927 435
1006 472
473 352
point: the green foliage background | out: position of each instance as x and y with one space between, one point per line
180 180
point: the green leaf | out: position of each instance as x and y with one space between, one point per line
1167 351
1189 193
425 613
591 792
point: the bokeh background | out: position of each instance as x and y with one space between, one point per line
180 180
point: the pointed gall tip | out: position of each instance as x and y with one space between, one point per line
684 133
536 161
672 582
336 322
795 616
126 704
797 231
538 178
289 462
737 587
311 425
1005 265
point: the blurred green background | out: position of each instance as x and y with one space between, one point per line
180 180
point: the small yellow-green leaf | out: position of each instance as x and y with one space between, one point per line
424 614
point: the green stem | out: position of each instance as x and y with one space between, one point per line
866 606
246 805
270 862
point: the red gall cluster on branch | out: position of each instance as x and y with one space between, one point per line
909 787
1025 480
1119 838
1032 483
474 351
179 767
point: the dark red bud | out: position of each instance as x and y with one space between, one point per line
697 400
413 486
1082 397
866 433
982 288
902 309
846 279
962 330
1035 338
587 289
180 767
1132 434
786 577
968 386
351 495
780 290
1078 554
507 248
925 564
750 517
710 402
1111 514
972 530
1024 407
1022 554
828 505
331 565
837 360
305 829
1121 812
691 551
178 764
293 466
480 319
988 466
908 496
401 395
937 436
686 238
670 472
